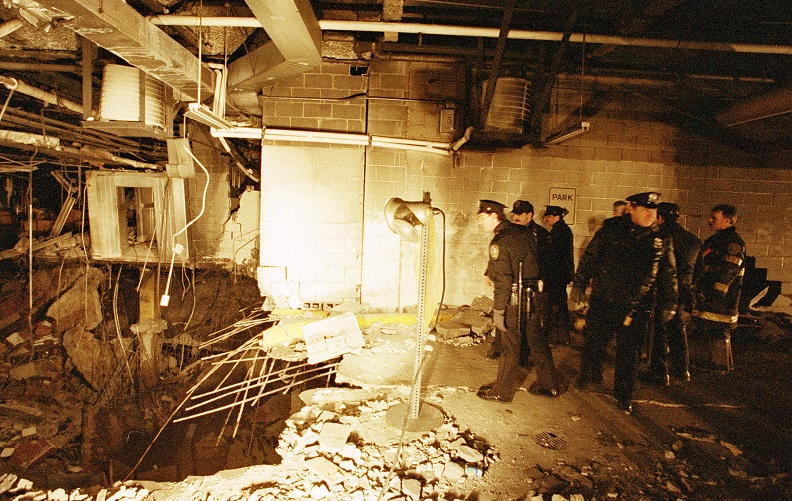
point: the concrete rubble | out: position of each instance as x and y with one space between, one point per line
336 450
338 446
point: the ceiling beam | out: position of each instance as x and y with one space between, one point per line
500 47
544 84
777 102
117 27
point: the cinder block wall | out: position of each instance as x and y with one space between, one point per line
627 150
207 232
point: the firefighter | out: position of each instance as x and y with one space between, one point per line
717 280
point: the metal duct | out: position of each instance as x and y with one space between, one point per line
295 46
117 27
768 105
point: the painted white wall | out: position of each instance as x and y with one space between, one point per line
311 222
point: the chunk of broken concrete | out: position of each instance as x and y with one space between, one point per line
333 436
327 470
451 330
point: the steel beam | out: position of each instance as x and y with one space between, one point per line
117 27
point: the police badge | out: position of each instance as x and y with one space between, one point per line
494 251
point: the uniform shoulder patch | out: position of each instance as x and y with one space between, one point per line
494 251
735 249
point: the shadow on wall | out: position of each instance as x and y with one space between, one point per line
466 259
592 225
696 150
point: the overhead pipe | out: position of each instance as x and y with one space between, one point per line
56 68
48 97
10 26
467 31
347 138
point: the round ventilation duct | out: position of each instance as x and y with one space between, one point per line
130 95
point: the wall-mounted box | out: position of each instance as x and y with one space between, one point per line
134 216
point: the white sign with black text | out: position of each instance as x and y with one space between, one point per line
566 198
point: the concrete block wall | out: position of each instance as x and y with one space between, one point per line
206 232
311 222
317 100
627 150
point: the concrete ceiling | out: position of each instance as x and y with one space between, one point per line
727 62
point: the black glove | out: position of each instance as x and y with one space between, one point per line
498 319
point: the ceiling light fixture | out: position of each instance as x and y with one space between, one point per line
574 131
561 136
201 113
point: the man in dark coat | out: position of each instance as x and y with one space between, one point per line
669 350
512 253
717 280
523 214
623 262
559 268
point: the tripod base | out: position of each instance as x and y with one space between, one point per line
429 417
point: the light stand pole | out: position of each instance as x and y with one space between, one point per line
414 416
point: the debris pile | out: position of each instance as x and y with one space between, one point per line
350 455
465 325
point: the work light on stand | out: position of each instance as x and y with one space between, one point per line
404 218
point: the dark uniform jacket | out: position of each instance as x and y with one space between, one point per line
624 261
541 235
718 276
560 254
511 244
686 251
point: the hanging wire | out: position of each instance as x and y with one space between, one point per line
159 224
116 322
173 238
195 300
200 47
30 259
582 66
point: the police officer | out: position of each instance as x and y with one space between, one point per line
717 279
511 249
523 214
623 262
669 351
559 268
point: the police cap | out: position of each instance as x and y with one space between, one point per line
490 207
522 207
647 199
555 210
668 210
